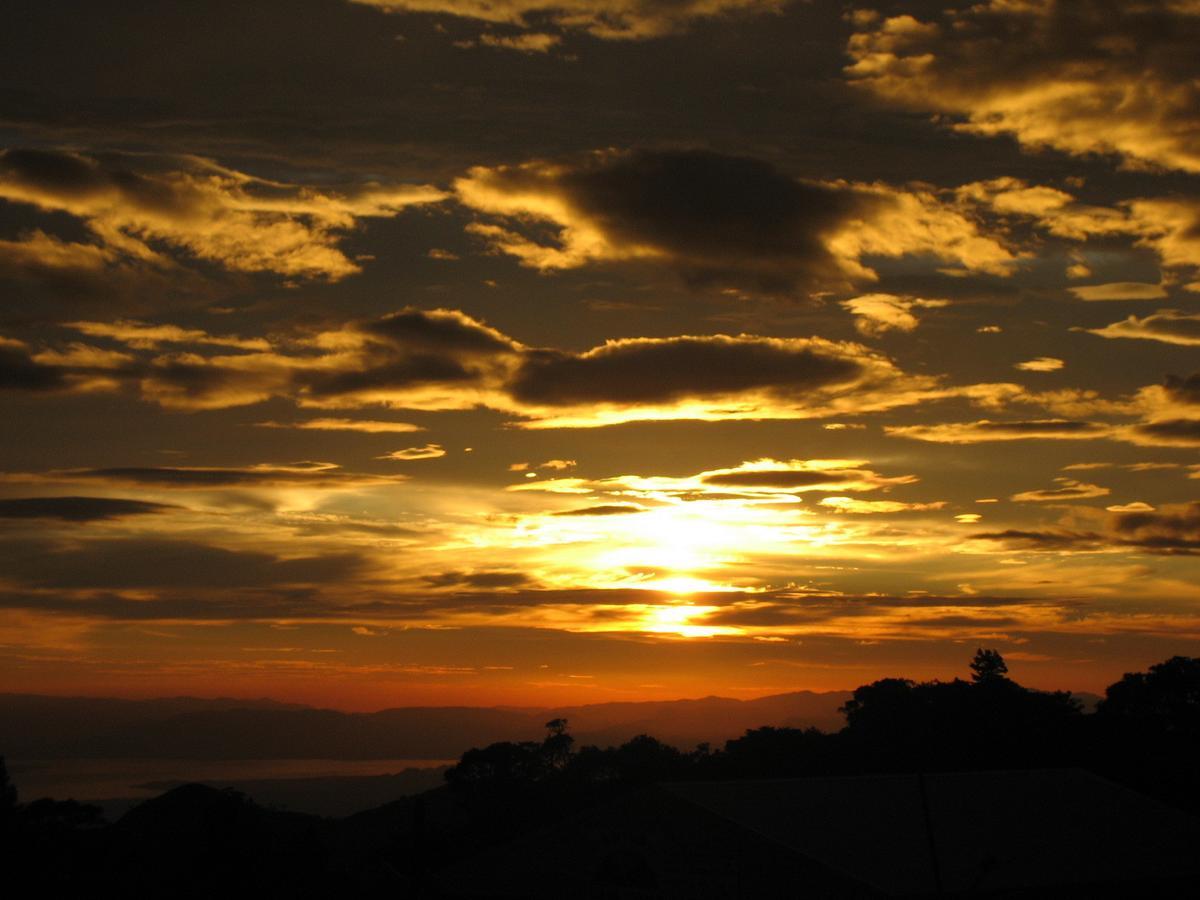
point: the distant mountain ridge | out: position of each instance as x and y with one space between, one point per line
47 727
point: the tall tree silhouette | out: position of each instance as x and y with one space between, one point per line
988 666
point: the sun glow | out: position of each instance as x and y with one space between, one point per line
678 620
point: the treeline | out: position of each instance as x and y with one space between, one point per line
1145 733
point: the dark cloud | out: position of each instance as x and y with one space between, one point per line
447 331
18 371
1184 390
663 371
1168 531
477 579
778 478
77 509
614 509
415 370
729 221
777 611
721 219
408 350
1184 432
159 563
300 473
1171 531
1018 539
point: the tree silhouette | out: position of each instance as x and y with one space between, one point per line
556 748
988 666
1167 698
8 792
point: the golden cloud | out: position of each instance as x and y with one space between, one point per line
1068 489
132 205
986 430
875 314
1089 76
1169 326
609 19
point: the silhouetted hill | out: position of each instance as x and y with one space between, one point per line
33 727
330 796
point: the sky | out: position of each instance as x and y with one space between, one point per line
370 353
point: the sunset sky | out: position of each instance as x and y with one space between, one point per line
400 352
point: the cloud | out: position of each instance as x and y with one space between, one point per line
439 359
875 314
612 509
1136 506
728 221
762 479
77 509
987 430
607 19
19 371
536 42
1089 76
1171 531
858 506
797 476
1121 290
133 205
365 426
156 563
489 579
143 336
1167 433
428 451
1171 414
708 377
1169 326
1068 489
1044 541
1041 364
311 474
1169 226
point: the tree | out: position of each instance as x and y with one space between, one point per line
1166 698
8 793
988 667
556 747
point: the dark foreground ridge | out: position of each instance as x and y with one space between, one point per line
961 788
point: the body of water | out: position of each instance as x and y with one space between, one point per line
101 779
